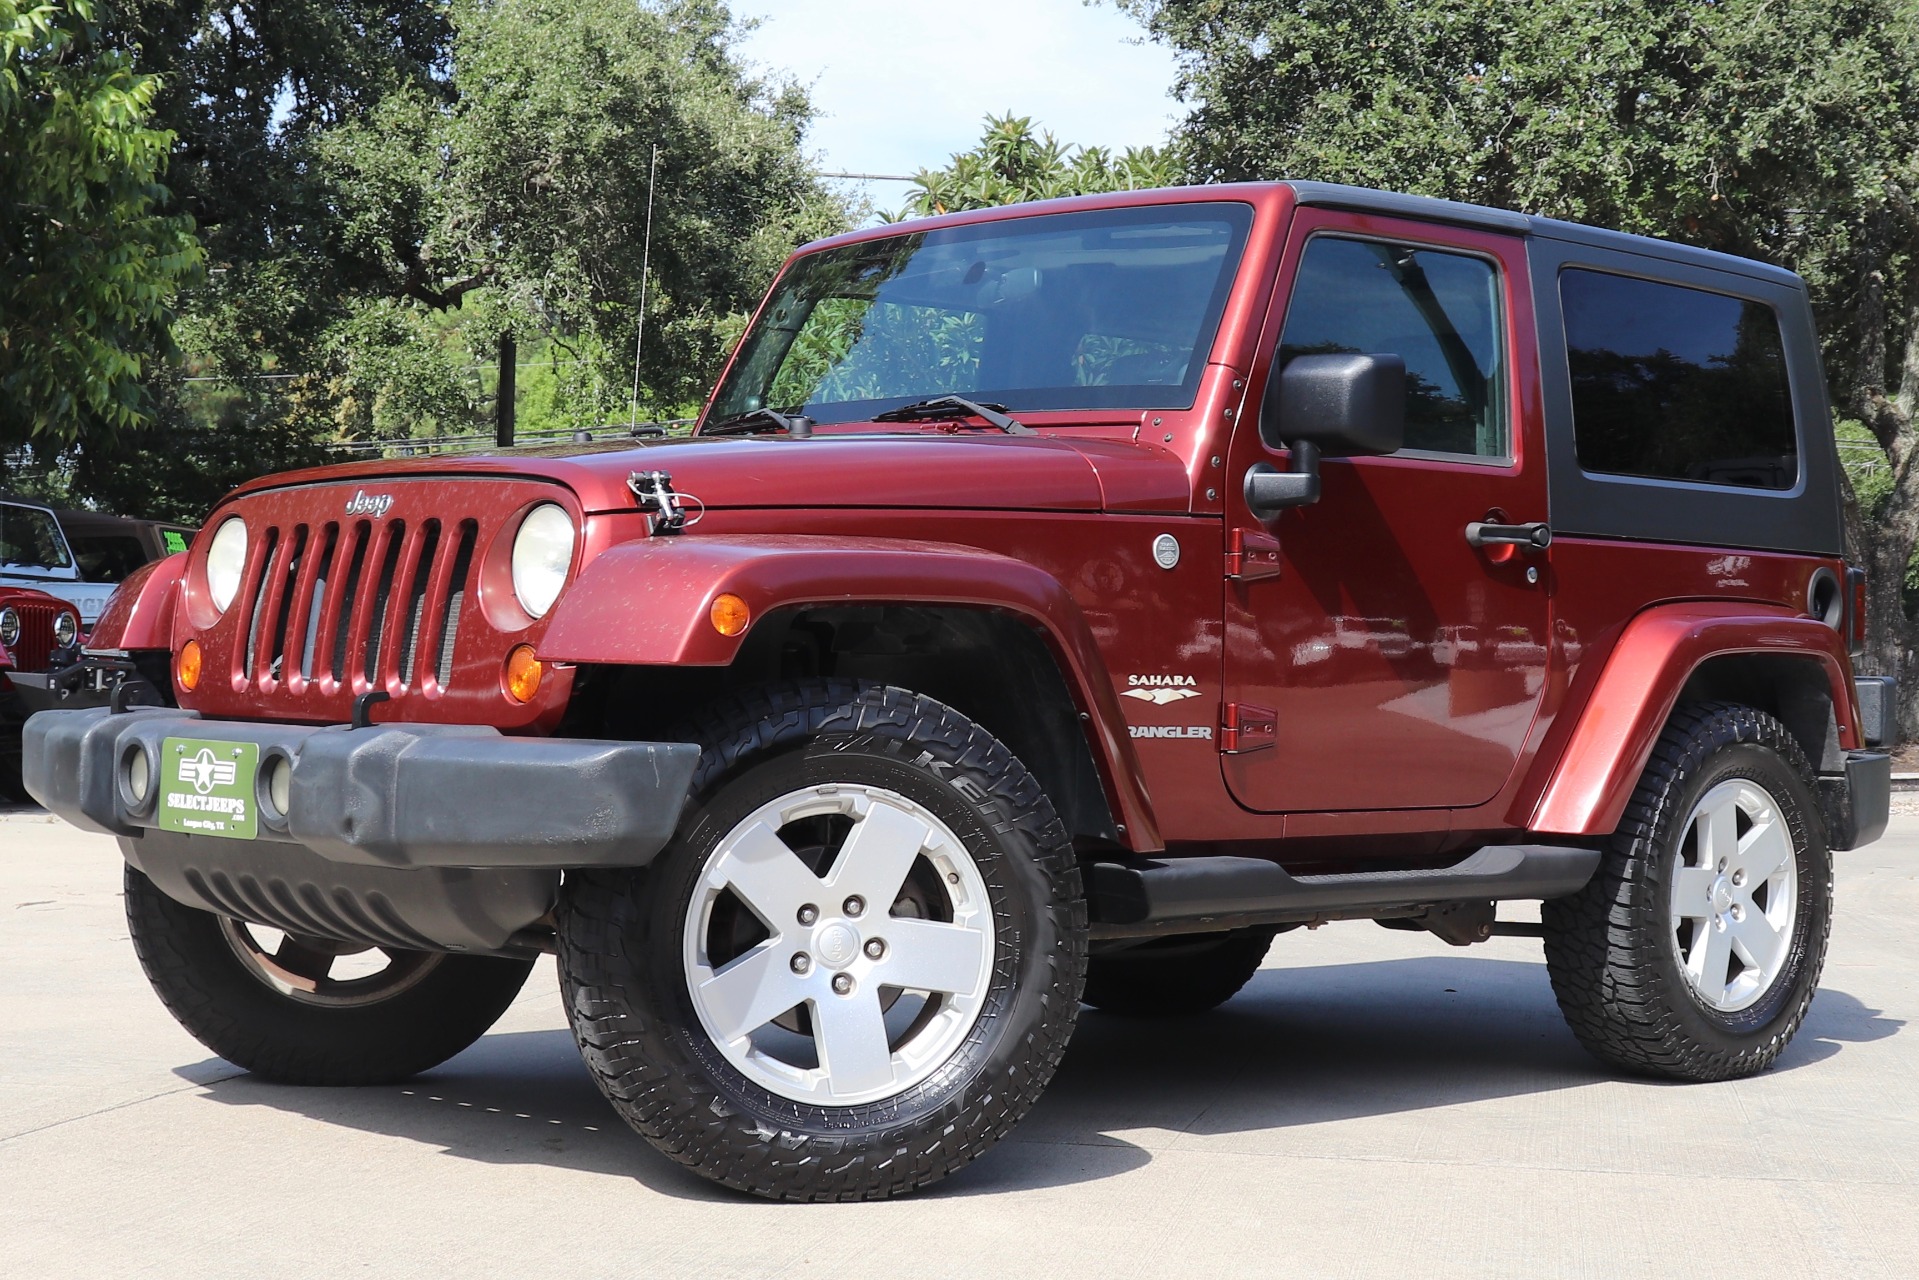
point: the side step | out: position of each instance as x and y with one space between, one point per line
1200 895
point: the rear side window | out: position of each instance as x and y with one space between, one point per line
1672 383
1439 312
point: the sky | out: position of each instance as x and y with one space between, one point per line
903 84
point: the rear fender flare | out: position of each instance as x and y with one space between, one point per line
648 603
1658 652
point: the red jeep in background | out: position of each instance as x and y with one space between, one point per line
1053 604
37 632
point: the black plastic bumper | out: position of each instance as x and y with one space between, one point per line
1858 804
390 795
418 836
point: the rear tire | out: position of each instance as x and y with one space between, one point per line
252 1006
1694 951
851 857
1175 977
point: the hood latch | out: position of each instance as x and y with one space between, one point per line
656 496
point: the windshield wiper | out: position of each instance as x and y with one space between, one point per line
993 415
797 425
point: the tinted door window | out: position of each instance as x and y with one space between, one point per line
1439 312
1672 383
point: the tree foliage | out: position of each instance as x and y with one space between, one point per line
1784 132
384 186
530 188
1012 163
90 257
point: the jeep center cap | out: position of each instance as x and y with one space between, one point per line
837 944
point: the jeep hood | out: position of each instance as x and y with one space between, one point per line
976 471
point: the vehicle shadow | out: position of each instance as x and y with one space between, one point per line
1297 1047
1340 1042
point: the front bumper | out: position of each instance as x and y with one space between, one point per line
40 691
420 836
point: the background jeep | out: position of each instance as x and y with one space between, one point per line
1053 604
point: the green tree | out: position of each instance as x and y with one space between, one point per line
245 87
526 195
1788 133
1012 164
90 258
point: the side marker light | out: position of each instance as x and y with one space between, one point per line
730 614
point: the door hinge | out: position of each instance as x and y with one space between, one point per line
1251 554
1247 728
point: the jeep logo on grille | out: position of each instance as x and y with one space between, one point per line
363 503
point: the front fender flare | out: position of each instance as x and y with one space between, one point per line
139 614
1629 705
647 602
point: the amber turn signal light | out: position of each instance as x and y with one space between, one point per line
730 614
187 669
523 672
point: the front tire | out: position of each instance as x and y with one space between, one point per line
856 966
1694 951
298 1010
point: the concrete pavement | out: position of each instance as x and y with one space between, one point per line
1375 1103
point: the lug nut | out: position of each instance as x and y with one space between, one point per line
1739 876
1722 864
842 984
809 913
802 962
875 948
855 905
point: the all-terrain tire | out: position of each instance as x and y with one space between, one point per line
233 1011
1176 976
1611 949
628 985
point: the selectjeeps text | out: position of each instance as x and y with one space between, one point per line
1053 604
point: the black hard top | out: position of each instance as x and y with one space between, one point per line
1332 195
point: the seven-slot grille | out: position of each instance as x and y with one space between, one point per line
35 646
356 604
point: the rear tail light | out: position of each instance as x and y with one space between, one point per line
1856 611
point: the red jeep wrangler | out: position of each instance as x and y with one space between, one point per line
1053 604
38 633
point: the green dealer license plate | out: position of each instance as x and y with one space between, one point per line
206 788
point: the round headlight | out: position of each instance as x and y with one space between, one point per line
542 553
226 561
9 627
65 629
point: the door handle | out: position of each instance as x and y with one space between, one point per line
1536 536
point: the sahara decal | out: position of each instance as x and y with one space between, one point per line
1160 690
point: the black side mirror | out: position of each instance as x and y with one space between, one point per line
1345 405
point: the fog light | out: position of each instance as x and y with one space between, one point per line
280 784
523 672
187 668
139 777
730 614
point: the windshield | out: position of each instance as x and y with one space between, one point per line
29 539
1114 308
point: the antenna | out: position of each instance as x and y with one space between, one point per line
646 255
